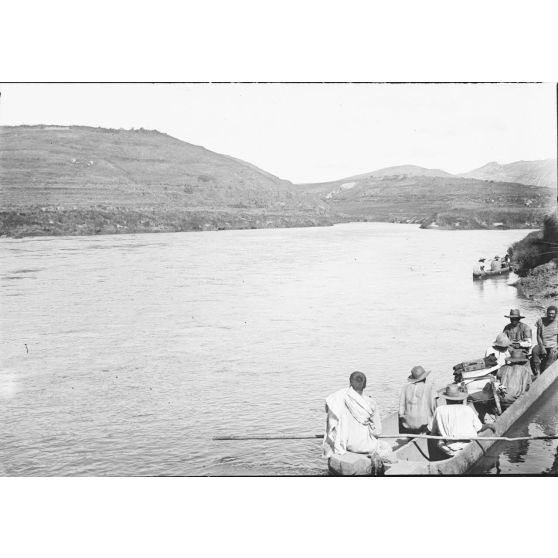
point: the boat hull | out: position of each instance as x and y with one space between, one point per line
486 274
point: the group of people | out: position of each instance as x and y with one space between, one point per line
495 264
353 418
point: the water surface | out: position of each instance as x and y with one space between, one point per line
126 354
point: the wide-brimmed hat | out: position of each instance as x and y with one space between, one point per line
517 356
502 340
418 373
454 392
514 313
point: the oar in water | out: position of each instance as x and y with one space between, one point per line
287 437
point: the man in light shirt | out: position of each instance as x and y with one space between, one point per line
456 419
479 266
500 349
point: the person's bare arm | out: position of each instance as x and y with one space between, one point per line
377 421
487 427
402 403
539 334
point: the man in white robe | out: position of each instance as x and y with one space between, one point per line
353 421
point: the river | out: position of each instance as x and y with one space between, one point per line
126 354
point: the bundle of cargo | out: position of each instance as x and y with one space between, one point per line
475 374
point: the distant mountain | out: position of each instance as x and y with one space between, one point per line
536 173
79 180
402 170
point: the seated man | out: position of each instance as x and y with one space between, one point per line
480 390
519 333
546 350
417 402
515 378
353 421
500 349
495 265
479 266
455 420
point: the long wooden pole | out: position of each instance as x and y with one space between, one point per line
391 436
479 438
287 437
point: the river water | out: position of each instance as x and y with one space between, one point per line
126 354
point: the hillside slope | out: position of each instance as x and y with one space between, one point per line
81 180
407 170
446 202
536 173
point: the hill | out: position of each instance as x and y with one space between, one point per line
436 201
81 180
536 173
402 170
73 180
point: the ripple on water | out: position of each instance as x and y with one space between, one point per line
142 352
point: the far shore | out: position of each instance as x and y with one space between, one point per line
35 222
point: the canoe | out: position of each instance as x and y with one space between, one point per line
485 274
422 457
418 457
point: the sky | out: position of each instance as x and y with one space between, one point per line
314 132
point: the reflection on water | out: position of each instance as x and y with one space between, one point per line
126 354
527 456
553 470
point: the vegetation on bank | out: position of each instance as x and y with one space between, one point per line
486 218
117 220
535 260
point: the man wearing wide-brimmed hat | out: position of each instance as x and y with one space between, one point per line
518 332
455 419
417 402
515 377
500 349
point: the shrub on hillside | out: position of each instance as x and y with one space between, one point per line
537 248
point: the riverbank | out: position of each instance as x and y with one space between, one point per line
56 221
487 219
540 284
46 221
535 258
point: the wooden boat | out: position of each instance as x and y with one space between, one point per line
422 457
485 274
